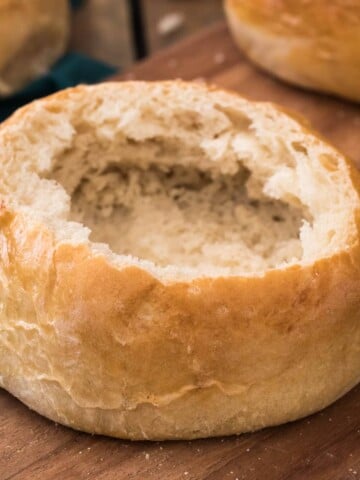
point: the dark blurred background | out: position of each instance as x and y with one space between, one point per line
121 31
108 36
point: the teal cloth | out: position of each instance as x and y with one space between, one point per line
71 70
76 3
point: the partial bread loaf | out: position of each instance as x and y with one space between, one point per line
33 35
224 295
311 43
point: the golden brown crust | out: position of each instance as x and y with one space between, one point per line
33 35
315 44
116 351
127 356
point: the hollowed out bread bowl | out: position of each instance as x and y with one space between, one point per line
176 262
311 43
33 35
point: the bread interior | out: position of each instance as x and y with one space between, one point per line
189 182
177 215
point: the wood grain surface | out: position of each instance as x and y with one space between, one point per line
325 446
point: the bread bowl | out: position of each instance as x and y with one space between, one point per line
218 291
311 43
33 35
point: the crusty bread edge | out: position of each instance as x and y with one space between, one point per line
220 356
296 61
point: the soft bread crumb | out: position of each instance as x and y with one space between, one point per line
185 217
183 181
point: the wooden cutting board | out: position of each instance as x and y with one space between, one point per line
325 446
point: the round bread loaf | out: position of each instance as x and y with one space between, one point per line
311 43
175 262
33 35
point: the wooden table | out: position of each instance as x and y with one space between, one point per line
325 446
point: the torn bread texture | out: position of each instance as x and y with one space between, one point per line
176 262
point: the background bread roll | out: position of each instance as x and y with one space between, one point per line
311 43
33 35
175 262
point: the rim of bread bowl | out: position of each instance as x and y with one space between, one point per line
136 355
170 273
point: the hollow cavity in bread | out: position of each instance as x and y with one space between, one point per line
184 216
206 186
142 337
